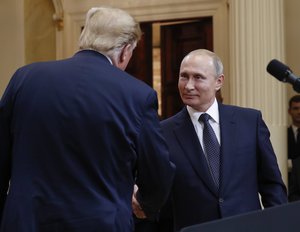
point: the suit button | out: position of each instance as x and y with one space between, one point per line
221 200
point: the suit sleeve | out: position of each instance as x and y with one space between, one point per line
155 172
294 190
271 187
6 108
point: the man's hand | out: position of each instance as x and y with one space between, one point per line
136 208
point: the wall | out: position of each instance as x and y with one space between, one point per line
11 39
28 35
292 39
39 30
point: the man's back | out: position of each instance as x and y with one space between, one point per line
77 132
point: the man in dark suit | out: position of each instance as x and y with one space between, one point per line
227 178
76 134
294 186
294 112
293 145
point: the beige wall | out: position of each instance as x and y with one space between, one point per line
39 31
28 35
292 33
11 39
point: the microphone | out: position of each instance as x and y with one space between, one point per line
283 73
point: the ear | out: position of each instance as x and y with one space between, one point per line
125 52
124 56
219 82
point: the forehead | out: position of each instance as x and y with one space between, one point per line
197 63
295 104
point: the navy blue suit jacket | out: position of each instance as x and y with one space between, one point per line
248 167
293 149
75 135
294 190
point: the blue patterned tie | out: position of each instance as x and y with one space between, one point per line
211 148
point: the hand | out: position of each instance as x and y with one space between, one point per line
136 208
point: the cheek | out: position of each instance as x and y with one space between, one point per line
206 86
181 85
205 91
202 87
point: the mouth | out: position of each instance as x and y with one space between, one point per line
189 96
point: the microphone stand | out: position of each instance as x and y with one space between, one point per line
296 85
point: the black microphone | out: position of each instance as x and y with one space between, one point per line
283 73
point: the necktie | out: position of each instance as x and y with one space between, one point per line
211 148
298 137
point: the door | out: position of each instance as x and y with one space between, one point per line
140 64
176 41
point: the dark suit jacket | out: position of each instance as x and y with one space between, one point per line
294 187
248 167
74 137
293 150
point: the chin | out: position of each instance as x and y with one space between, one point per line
190 103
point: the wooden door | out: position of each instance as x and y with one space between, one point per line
176 41
140 65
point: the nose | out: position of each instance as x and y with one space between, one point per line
190 84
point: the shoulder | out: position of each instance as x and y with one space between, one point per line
238 108
176 119
138 89
238 111
240 115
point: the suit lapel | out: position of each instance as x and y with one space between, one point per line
188 140
228 141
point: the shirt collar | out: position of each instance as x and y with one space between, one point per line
295 129
213 112
107 58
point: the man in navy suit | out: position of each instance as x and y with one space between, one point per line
294 186
77 134
294 112
246 165
293 140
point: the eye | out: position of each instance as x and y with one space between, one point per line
199 77
183 76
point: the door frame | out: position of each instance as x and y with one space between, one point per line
145 11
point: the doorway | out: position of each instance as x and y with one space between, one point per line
157 58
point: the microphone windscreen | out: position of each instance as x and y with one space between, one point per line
278 69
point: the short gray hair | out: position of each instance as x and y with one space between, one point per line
216 59
108 29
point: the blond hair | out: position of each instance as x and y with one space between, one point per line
108 29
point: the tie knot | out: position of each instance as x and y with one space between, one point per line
204 117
